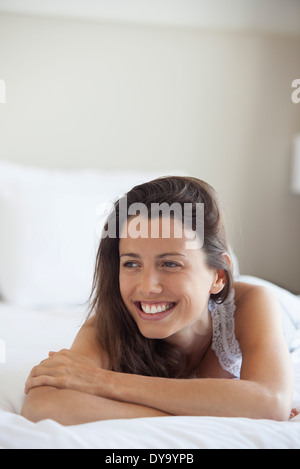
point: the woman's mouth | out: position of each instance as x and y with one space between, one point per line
157 310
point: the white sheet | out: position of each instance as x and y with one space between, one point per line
29 335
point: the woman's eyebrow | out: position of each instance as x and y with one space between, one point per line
130 254
167 254
160 256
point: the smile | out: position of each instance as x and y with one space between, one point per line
156 308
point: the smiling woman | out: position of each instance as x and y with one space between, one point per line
162 313
164 266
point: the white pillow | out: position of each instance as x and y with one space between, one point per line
12 390
49 230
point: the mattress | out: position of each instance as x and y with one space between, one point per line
26 337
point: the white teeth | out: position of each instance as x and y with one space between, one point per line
152 309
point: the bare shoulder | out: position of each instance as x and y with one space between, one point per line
246 291
87 344
257 309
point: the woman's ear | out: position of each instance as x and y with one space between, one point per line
220 277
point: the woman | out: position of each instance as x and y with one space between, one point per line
169 332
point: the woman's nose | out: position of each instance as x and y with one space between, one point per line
150 283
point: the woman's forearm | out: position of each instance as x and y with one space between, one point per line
210 397
69 407
105 394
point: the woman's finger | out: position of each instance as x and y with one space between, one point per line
43 380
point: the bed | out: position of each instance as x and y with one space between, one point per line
47 250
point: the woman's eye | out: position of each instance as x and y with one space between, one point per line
130 264
171 265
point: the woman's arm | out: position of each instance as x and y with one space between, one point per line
264 391
73 407
69 407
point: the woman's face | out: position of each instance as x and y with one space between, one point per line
165 286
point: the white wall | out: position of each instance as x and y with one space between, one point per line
216 104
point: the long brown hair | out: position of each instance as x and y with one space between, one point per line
128 350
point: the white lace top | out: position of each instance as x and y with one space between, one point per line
224 342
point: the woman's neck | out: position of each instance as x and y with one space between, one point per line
194 340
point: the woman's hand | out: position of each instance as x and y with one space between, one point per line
68 370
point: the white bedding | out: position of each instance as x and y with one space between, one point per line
27 335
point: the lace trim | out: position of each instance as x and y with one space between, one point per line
224 342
